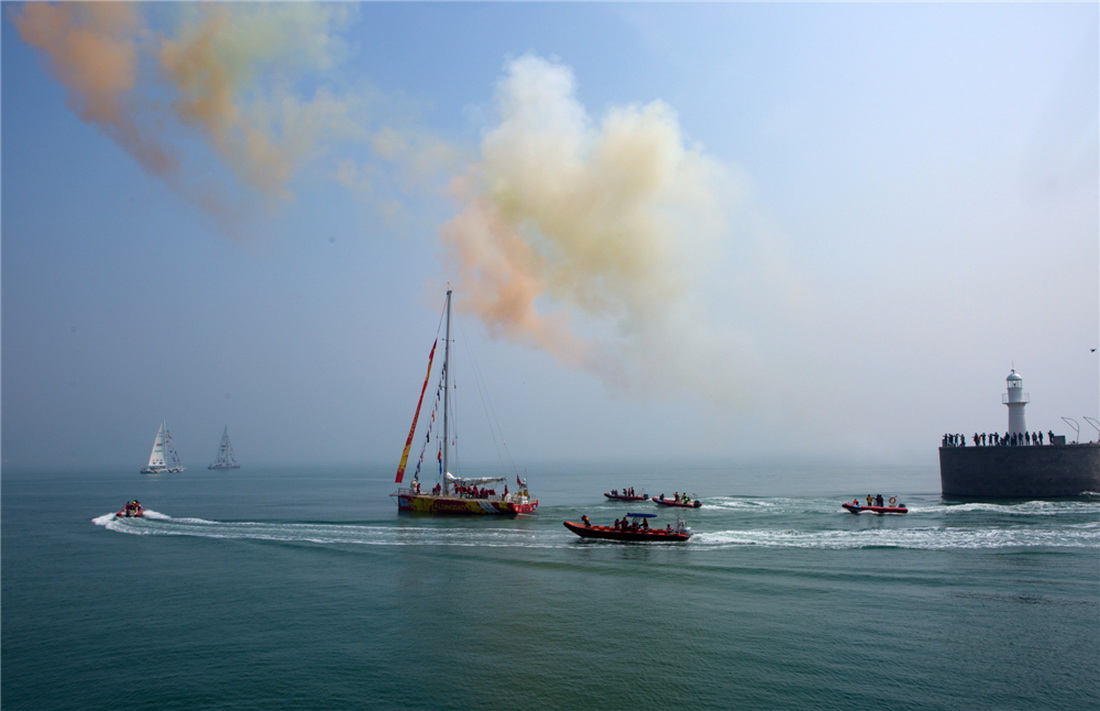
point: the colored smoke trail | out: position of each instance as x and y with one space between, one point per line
94 51
233 70
590 239
607 222
224 74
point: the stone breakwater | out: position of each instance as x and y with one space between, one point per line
1045 471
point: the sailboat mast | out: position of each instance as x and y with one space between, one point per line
446 388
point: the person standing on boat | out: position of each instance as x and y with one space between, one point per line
586 521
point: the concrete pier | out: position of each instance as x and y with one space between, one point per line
1044 471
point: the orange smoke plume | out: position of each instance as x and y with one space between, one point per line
222 73
93 50
605 222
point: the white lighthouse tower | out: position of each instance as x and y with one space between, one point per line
1015 399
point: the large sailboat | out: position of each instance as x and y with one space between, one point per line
225 459
453 494
163 459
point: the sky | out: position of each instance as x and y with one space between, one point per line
714 231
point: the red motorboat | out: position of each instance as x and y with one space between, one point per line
616 496
634 531
682 503
855 508
132 509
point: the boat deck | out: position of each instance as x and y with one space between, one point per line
655 535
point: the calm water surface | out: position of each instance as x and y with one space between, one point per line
299 588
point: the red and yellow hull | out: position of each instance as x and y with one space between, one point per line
426 503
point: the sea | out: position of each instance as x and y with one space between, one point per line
303 587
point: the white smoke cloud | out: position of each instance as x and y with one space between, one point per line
572 225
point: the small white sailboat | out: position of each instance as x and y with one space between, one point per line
163 459
225 459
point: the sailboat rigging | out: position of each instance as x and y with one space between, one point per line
163 459
225 459
453 494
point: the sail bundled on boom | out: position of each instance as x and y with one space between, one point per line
473 481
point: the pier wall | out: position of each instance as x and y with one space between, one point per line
1043 471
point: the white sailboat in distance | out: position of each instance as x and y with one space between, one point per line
225 459
163 459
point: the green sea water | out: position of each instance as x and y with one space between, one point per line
304 588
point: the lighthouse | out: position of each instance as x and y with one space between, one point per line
1015 399
1019 466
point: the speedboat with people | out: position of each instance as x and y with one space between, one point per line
132 509
876 505
626 495
636 529
680 500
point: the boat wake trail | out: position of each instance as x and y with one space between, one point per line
922 538
157 524
794 506
929 525
732 522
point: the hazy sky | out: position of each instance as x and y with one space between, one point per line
673 230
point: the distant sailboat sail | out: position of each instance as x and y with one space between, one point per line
225 459
163 459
